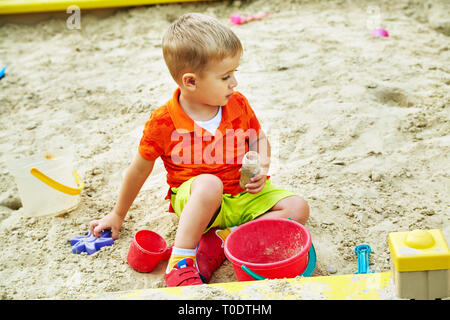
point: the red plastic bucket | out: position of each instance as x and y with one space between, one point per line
146 250
273 248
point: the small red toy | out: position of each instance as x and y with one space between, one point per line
146 250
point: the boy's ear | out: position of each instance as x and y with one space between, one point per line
189 81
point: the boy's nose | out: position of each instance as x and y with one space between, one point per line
233 82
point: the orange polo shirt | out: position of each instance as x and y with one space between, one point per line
187 150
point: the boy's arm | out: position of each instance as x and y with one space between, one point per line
135 176
262 146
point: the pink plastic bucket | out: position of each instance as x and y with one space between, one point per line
272 248
146 250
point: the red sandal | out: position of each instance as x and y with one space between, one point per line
210 254
183 273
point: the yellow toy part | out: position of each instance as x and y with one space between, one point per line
27 6
59 186
419 250
369 286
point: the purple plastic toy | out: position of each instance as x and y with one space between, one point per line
90 243
380 33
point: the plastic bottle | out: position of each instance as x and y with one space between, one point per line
250 167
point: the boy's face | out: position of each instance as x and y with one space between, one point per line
217 82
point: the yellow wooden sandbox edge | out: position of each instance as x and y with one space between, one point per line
31 6
370 286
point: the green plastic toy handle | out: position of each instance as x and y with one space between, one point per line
312 260
251 273
307 273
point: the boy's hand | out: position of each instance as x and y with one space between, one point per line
256 183
110 221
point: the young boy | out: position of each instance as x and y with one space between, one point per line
201 135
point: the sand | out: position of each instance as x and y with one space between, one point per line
359 127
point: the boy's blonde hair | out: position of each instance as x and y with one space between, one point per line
195 39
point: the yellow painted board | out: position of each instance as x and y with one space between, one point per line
370 286
29 6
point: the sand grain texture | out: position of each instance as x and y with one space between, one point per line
359 127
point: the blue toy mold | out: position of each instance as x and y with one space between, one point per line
90 243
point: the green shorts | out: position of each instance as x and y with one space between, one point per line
234 210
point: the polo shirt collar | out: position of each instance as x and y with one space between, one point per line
183 123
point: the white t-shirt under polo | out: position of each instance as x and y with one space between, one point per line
211 125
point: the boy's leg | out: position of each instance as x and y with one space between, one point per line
292 207
204 201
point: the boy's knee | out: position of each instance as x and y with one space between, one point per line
299 209
207 185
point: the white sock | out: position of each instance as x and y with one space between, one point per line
179 254
184 252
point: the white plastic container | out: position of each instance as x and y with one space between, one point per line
47 184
